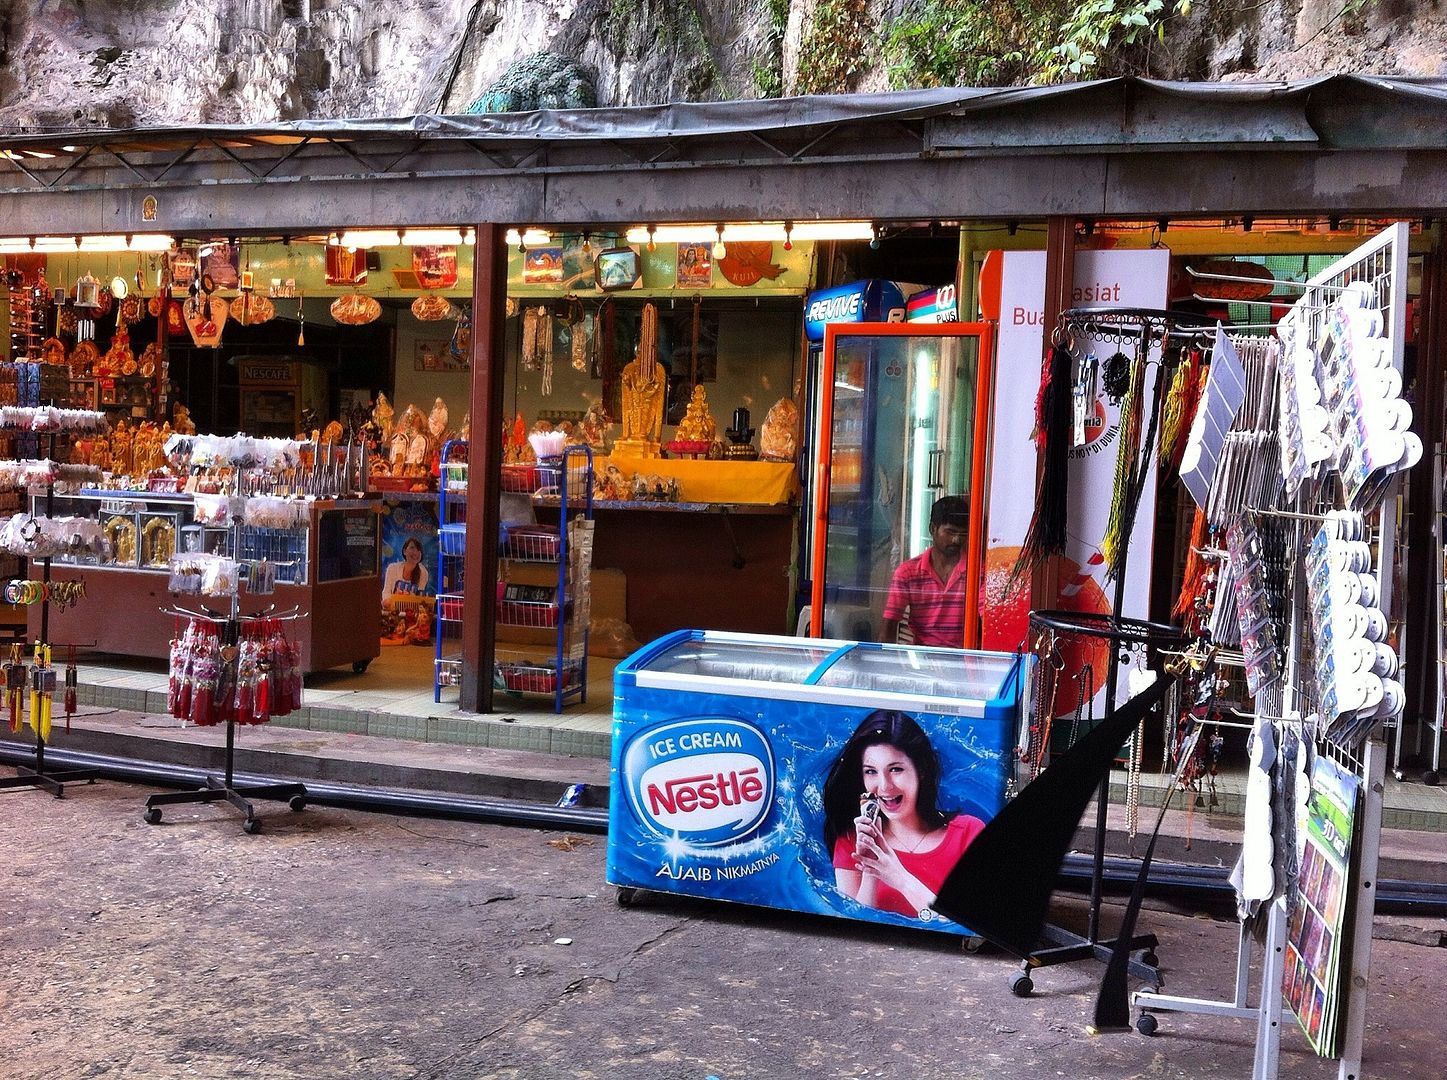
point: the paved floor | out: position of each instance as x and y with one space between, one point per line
338 944
392 699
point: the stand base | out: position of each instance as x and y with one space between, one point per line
635 449
1069 948
218 790
53 782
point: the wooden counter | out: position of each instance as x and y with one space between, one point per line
714 566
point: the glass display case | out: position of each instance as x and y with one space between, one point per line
326 566
741 761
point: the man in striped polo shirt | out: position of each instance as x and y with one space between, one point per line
931 586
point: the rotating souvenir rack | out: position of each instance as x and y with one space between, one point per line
1327 696
231 668
41 538
1146 331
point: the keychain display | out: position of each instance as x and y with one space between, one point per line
22 592
250 682
1355 667
49 419
19 475
45 537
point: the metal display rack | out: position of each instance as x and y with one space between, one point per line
37 776
451 545
1146 329
1380 263
545 597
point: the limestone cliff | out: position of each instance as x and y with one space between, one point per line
119 63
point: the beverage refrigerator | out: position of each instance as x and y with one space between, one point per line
898 418
732 774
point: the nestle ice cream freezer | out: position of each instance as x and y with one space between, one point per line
831 777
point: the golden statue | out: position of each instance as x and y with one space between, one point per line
121 450
698 424
643 391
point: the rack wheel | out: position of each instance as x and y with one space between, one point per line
297 803
1430 778
359 666
1021 984
251 825
1147 1024
627 897
152 815
1150 959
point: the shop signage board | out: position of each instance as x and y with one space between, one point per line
1102 279
728 750
938 305
872 300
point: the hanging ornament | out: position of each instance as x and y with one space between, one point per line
300 321
460 345
430 308
249 309
355 309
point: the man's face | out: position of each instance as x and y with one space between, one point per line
949 538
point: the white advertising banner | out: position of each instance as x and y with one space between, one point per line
1102 279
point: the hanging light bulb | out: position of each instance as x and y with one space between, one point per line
652 232
587 243
522 244
788 236
874 239
719 250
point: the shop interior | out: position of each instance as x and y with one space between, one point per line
371 331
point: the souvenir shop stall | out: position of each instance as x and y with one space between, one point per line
1289 432
197 510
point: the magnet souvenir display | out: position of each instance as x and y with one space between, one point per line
1355 668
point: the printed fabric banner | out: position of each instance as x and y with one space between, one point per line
1102 279
1312 979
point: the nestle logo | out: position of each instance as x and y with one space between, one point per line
705 780
706 792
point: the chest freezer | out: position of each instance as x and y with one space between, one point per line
740 762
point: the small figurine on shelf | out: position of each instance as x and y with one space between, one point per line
779 440
382 417
121 450
593 429
437 421
697 430
181 421
741 438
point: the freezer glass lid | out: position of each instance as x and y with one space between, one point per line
947 673
784 663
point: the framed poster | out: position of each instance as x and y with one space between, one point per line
543 266
695 266
435 267
435 354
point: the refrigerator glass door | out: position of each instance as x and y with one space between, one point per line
897 409
785 660
927 672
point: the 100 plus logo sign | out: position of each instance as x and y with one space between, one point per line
708 780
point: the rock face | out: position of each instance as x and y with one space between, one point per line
121 63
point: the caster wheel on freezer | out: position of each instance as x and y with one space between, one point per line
1021 985
152 815
251 825
297 803
1147 1024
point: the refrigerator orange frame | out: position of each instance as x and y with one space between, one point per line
979 470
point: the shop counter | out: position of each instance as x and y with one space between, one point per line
327 567
726 566
762 483
740 761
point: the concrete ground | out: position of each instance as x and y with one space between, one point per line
342 944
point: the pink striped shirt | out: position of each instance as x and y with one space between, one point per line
936 608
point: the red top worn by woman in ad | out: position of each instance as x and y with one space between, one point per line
930 867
